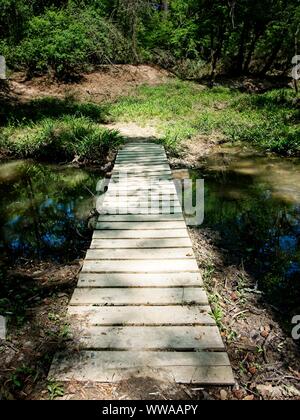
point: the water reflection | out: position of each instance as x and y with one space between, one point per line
44 210
253 201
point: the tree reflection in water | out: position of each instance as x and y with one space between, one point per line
44 210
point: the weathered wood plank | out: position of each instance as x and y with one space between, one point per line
133 359
140 234
140 218
154 175
140 266
139 254
152 338
138 210
208 368
138 296
141 225
150 190
140 243
137 159
139 280
142 315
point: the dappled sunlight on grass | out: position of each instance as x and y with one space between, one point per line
183 109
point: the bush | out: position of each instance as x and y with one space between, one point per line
66 42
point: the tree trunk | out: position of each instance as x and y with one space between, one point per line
240 57
216 52
252 46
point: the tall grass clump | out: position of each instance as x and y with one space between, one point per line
61 140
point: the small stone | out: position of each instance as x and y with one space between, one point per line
234 296
265 331
252 370
249 398
223 394
238 393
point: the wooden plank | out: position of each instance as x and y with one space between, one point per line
139 280
139 296
142 315
121 202
145 189
134 203
140 186
160 148
140 266
141 176
208 368
154 167
140 234
140 243
142 159
139 254
140 218
137 210
140 155
157 169
141 225
151 338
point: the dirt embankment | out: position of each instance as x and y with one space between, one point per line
105 84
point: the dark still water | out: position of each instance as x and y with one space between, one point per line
44 210
253 203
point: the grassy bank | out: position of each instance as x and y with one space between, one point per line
66 129
182 110
56 130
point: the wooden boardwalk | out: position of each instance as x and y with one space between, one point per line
140 308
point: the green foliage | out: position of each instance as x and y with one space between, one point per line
193 37
60 140
20 376
66 42
55 390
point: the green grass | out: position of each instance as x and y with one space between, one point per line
181 110
59 140
63 129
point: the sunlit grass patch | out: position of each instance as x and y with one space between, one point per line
182 110
60 140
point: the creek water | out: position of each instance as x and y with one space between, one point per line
44 210
252 202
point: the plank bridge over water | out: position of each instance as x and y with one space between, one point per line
140 308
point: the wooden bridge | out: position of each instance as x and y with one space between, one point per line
139 308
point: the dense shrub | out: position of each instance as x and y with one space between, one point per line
66 42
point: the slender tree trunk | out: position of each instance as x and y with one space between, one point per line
216 53
296 53
240 56
251 50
